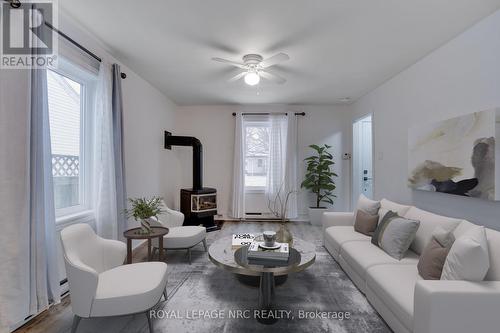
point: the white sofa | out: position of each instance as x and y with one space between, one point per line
394 288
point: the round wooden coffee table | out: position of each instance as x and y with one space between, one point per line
135 233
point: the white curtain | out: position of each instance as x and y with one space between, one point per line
44 271
290 183
103 158
29 279
238 197
282 169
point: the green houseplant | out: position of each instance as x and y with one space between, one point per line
143 209
319 179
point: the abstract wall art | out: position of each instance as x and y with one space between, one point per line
457 156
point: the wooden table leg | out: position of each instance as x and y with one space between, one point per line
160 250
149 249
129 251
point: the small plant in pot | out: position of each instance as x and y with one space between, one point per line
143 210
319 180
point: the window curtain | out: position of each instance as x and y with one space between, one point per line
238 197
117 110
291 165
29 279
105 204
282 169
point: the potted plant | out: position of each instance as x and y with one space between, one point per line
143 210
319 180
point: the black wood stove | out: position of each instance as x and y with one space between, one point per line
198 204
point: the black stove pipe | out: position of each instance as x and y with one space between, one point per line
174 140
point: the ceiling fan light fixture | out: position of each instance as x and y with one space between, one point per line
252 78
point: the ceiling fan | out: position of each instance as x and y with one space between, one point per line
254 67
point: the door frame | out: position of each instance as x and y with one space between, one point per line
354 121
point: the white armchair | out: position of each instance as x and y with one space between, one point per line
100 285
179 237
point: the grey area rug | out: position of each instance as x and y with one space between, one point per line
196 289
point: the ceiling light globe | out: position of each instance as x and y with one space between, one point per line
252 78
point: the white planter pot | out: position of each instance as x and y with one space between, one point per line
315 215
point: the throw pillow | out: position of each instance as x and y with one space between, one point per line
365 223
390 214
367 205
468 258
396 234
431 262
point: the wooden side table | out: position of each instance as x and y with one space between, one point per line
135 233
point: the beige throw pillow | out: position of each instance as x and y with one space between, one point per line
431 262
365 223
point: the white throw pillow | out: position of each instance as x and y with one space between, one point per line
468 258
367 205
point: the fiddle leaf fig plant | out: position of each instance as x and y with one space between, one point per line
319 178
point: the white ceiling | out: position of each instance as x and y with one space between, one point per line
338 48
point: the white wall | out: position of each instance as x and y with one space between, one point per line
461 77
147 112
214 126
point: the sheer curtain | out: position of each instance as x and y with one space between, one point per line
282 169
238 197
106 213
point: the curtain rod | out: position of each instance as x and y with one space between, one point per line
78 45
268 113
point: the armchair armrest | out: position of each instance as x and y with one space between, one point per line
456 306
331 219
83 281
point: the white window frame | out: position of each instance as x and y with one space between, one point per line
84 211
254 123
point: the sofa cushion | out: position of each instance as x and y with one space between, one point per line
428 222
129 289
184 237
387 205
362 255
462 228
367 205
337 236
394 285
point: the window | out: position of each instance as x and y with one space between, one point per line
68 98
256 155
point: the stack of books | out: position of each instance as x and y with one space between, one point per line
240 240
260 256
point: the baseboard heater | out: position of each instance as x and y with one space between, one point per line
254 216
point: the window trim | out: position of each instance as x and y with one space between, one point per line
88 84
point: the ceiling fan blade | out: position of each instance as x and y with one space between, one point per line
237 77
225 61
275 59
272 77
